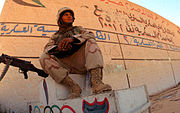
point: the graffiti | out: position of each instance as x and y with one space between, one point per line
113 2
46 91
107 22
130 23
21 2
38 2
51 109
148 23
9 29
46 30
84 6
68 107
128 6
131 28
110 50
113 68
96 107
178 30
100 36
142 42
174 48
149 43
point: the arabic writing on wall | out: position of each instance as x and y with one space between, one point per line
143 42
133 8
102 36
127 22
46 30
133 40
28 29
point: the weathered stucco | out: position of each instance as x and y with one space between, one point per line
139 46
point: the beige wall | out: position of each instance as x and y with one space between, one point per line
138 45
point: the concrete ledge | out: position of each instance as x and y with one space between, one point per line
133 100
48 87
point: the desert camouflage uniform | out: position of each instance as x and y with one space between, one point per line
86 58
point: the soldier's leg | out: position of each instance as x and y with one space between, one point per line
94 64
53 67
75 62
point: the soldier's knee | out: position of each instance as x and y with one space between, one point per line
43 56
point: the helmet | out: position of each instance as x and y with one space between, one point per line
62 11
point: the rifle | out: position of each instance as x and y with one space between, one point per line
24 66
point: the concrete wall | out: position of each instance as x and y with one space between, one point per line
139 46
130 100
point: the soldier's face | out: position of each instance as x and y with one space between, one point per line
67 17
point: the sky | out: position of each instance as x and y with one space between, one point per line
168 9
1 5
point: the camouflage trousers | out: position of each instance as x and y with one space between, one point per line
86 58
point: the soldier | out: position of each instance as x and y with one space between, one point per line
73 49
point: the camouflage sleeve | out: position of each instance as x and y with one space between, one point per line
84 35
50 44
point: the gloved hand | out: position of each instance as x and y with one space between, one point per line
65 44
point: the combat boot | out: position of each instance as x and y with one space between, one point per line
73 86
97 85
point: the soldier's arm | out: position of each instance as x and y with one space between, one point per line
49 45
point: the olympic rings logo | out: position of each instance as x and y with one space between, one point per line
38 109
